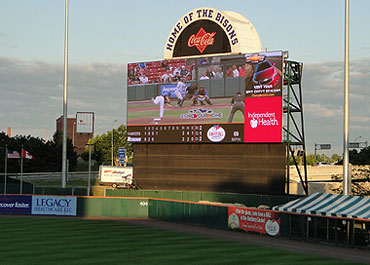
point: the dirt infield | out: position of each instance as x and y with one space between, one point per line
343 253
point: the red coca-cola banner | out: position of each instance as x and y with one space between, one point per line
249 219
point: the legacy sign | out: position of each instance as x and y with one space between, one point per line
38 205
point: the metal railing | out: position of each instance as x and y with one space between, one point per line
51 175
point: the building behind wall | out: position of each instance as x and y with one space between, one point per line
79 140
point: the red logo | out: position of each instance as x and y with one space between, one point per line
201 40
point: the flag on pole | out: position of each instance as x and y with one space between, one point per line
13 154
26 154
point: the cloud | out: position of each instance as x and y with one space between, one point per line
323 98
32 91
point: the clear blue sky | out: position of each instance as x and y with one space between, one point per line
105 35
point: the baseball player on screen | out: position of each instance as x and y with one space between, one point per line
237 103
161 101
180 88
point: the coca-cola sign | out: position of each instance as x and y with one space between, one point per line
201 40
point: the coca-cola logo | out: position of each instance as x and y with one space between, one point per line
201 40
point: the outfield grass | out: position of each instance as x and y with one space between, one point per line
75 241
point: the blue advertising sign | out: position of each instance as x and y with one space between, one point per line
171 88
54 205
121 155
10 204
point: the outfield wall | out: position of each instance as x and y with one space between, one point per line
214 215
203 214
251 200
112 207
224 87
187 212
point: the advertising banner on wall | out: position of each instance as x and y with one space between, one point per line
263 118
256 220
84 122
54 205
264 74
10 204
221 99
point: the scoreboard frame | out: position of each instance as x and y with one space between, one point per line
260 82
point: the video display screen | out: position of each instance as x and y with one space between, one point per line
220 99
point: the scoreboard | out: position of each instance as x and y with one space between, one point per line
186 133
161 109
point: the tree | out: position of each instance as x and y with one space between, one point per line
57 146
102 151
336 157
48 155
358 158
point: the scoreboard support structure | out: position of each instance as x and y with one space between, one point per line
294 135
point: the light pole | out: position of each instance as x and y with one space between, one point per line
73 134
113 138
346 186
65 93
89 176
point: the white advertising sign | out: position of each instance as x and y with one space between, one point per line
53 205
85 122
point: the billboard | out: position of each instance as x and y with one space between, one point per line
38 205
54 205
256 220
10 204
85 122
220 99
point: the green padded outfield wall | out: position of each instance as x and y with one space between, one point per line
235 168
166 210
249 200
190 213
112 207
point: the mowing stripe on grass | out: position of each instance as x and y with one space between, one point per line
76 241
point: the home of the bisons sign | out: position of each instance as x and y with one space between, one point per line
206 31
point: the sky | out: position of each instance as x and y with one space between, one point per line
106 35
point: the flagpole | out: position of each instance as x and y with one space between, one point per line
21 188
6 166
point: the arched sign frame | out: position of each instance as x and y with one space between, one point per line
205 13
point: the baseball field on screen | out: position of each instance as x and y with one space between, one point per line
143 112
80 241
